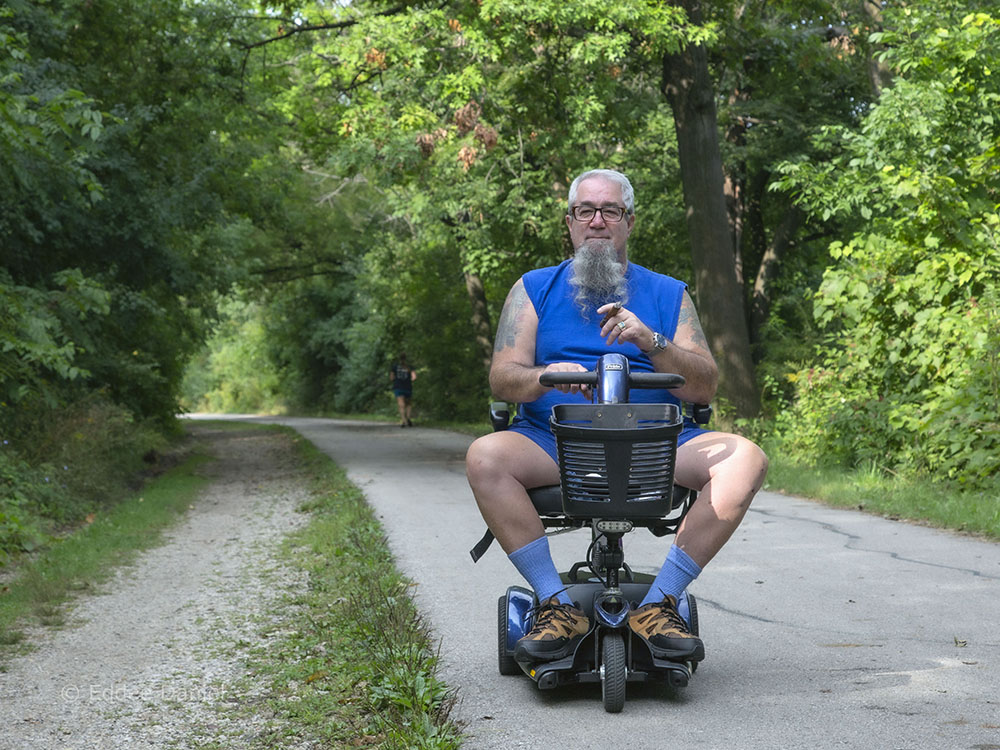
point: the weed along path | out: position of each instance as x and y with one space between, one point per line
823 628
146 663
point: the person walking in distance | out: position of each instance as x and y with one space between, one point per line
402 376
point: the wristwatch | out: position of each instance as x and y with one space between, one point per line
659 344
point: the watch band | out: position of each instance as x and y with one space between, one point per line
660 343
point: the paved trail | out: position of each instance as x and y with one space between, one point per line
824 628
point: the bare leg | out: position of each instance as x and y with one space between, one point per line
401 405
727 470
499 467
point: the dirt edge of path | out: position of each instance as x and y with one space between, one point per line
155 659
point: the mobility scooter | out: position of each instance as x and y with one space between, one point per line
616 467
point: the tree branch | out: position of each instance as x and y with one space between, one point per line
294 272
314 27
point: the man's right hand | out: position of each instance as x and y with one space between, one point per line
569 387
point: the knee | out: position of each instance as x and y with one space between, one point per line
760 463
482 464
753 463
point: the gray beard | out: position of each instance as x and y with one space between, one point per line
598 277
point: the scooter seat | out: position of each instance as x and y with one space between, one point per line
548 503
547 500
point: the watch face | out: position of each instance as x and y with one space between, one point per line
659 341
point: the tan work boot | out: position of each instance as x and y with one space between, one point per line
660 625
557 629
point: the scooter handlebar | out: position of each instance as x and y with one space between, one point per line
635 379
568 378
655 380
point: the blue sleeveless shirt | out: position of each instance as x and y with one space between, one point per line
564 335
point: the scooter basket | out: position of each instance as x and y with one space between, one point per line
616 460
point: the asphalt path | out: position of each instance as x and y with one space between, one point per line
823 628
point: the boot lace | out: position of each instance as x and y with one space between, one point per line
674 621
544 613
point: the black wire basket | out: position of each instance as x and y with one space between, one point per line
616 460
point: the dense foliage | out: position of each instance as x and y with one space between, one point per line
128 142
315 187
909 376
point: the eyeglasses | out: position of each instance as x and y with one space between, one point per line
610 214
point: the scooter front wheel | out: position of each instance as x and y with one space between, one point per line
505 661
613 674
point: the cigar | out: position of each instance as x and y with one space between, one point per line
612 313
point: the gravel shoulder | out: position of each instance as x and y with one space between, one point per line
153 660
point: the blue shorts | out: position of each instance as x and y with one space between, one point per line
546 440
397 392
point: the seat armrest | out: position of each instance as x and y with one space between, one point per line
499 415
701 413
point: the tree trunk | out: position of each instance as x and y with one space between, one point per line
480 318
734 184
732 188
878 72
782 241
720 297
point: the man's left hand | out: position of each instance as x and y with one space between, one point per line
621 326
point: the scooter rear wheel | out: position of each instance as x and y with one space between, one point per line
693 623
613 672
693 614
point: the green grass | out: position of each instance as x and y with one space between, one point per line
348 662
935 503
81 561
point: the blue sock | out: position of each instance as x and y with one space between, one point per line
676 574
534 562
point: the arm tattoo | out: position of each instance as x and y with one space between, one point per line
509 326
689 317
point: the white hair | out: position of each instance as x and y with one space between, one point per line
628 194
